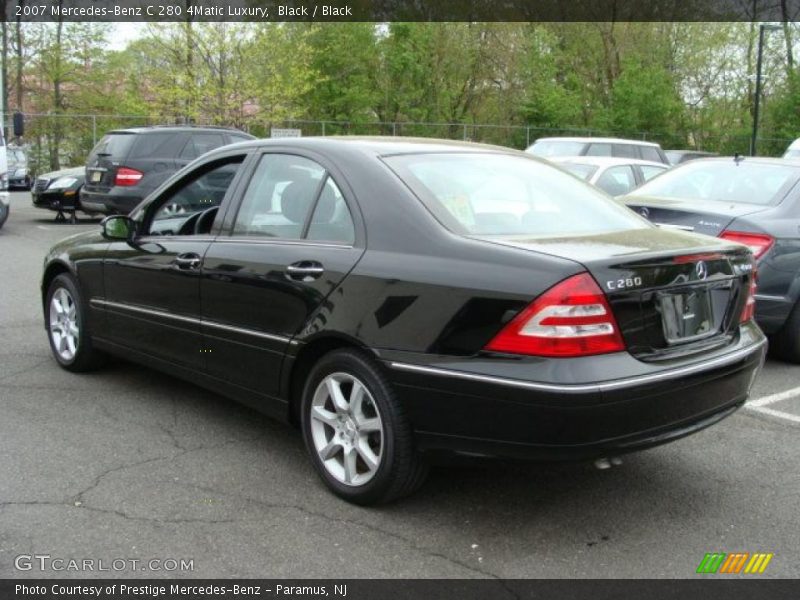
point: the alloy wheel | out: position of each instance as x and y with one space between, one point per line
64 331
346 429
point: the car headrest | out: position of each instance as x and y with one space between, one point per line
296 200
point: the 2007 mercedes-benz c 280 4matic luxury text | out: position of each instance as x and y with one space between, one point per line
401 298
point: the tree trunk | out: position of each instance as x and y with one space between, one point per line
5 69
787 34
58 100
18 86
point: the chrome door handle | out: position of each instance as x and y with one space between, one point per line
305 270
189 260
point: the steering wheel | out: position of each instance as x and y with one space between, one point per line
205 220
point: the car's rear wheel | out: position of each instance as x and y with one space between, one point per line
66 322
356 431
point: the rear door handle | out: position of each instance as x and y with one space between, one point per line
305 270
187 261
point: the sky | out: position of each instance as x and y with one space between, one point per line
124 33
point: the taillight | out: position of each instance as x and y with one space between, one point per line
127 176
750 305
759 243
572 318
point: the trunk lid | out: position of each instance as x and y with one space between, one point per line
105 157
701 216
673 293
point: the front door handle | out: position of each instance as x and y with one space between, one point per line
304 270
187 261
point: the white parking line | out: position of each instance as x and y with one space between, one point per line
760 405
775 413
772 398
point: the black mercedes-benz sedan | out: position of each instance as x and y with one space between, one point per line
753 201
399 299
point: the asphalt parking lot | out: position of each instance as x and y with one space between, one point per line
126 463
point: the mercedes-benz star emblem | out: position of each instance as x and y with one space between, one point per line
645 212
701 269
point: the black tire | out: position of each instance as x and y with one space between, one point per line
786 343
84 357
4 210
401 469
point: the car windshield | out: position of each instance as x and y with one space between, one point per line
498 194
585 172
557 148
724 181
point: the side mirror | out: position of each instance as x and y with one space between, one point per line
118 228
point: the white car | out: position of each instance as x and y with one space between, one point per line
553 147
615 176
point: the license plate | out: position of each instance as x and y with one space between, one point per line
687 315
96 176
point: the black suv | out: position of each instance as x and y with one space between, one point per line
127 164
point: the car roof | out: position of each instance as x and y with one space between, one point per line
379 145
176 128
684 151
605 140
761 160
606 161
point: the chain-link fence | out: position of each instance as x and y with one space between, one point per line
63 140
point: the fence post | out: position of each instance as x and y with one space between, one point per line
394 128
465 132
527 136
323 128
94 130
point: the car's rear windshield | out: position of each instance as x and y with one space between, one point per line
724 181
113 145
500 194
547 148
585 172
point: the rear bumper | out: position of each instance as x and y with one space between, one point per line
568 417
114 201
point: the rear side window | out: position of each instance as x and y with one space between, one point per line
279 197
504 195
154 145
651 154
649 171
113 146
200 143
617 181
599 150
331 221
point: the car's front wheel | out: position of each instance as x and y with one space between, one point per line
356 431
66 322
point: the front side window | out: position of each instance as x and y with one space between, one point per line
498 194
190 208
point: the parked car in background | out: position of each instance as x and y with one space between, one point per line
615 176
754 201
4 207
19 175
395 297
60 191
127 164
590 146
793 151
677 157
